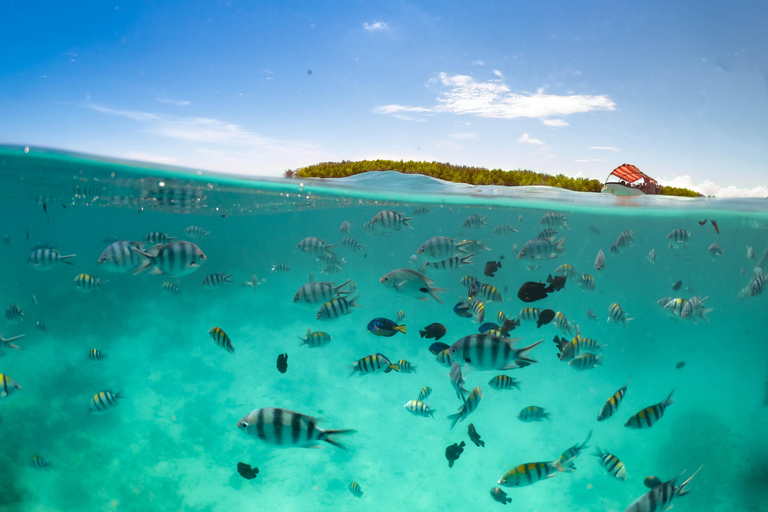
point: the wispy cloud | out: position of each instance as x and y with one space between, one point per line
462 94
557 123
147 157
463 136
376 27
709 188
498 73
170 101
588 160
526 139
604 148
478 63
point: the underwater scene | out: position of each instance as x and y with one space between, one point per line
180 340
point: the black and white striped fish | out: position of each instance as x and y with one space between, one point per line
221 339
320 292
156 237
486 352
351 243
14 313
355 489
475 221
404 366
616 314
504 230
46 258
373 364
424 393
650 415
96 355
553 220
660 497
314 245
345 227
336 308
104 401
419 408
87 283
533 413
38 462
315 339
681 237
216 280
281 268
281 427
388 221
586 361
457 380
504 382
175 258
452 263
119 257
438 248
612 404
470 404
197 232
611 463
170 288
422 210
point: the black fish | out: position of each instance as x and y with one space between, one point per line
475 437
677 285
680 365
652 481
461 310
594 230
491 267
509 325
438 347
435 331
282 363
453 452
531 292
561 343
545 317
702 222
500 496
246 471
558 282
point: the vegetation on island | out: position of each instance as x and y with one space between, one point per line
462 174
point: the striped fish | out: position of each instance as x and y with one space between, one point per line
529 314
457 380
566 270
547 233
320 292
371 228
221 339
87 284
616 314
504 382
314 245
422 210
351 243
612 404
8 385
675 306
578 346
591 315
315 339
504 230
14 313
600 260
46 258
388 221
281 268
470 404
345 227
336 308
355 489
170 288
96 355
404 366
562 323
587 282
175 258
453 263
541 248
660 497
155 237
331 259
694 309
438 248
473 247
533 413
532 472
216 280
569 455
501 317
486 352
611 463
119 257
475 307
552 219
373 364
282 427
400 315
197 232
424 393
650 415
488 293
625 240
104 401
419 408
444 357
38 462
467 281
586 361
475 221
681 237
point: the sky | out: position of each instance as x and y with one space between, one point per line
679 89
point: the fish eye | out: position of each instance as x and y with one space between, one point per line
244 424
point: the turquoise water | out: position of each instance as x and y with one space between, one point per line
172 442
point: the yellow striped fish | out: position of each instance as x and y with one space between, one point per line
39 463
86 283
470 404
612 404
221 339
650 415
611 463
372 364
315 339
532 413
400 316
419 408
504 382
532 472
104 401
8 385
96 355
586 361
616 314
355 489
405 367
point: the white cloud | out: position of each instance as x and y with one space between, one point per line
463 135
498 73
146 157
604 148
178 103
709 188
462 94
557 123
478 63
526 139
374 27
587 160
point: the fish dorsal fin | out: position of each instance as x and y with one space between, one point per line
311 277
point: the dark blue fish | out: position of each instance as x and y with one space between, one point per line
461 310
282 363
487 326
385 327
246 471
545 317
438 347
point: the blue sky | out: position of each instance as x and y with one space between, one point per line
679 89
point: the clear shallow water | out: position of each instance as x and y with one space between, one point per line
172 443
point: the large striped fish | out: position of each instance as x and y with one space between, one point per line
487 352
650 415
46 258
175 258
532 472
660 496
282 427
119 257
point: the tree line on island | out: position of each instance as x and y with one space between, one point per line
462 174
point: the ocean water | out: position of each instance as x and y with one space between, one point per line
172 442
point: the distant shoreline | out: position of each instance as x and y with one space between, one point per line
462 174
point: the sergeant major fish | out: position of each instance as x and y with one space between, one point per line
281 427
336 308
611 463
486 352
412 284
470 404
647 417
46 258
175 258
419 408
373 364
104 401
660 496
530 473
612 404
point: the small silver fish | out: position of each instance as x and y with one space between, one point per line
652 256
600 260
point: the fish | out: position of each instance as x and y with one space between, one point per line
612 404
438 248
491 268
436 348
501 317
473 247
424 393
372 364
8 343
529 314
566 270
624 241
444 357
314 245
751 253
547 233
46 258
652 256
520 218
170 288
531 291
419 408
660 496
557 283
331 259
616 314
600 260
533 413
468 281
452 263
385 327
8 385
434 330
715 250
586 361
579 346
651 481
474 436
221 339
281 268
462 310
532 472
487 292
563 324
541 248
282 363
504 382
388 221
587 282
104 401
320 292
336 308
475 221
156 237
38 462
591 315
282 427
695 309
486 352
412 284
647 417
404 366
352 244
553 220
714 225
457 381
488 326
175 258
216 280
14 313
355 489
504 230
86 283
475 307
680 365
677 285
315 339
345 227
119 257
611 463
422 210
679 238
569 455
508 325
500 496
196 232
96 355
453 452
470 404
545 317
400 316
246 471
41 326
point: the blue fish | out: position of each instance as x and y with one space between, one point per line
385 327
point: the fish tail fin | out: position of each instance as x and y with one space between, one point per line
342 285
565 466
11 345
228 278
498 264
433 292
326 436
522 354
703 314
405 221
598 452
559 249
400 328
354 370
669 400
145 262
454 418
586 441
65 259
422 333
680 490
353 302
466 259
392 367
